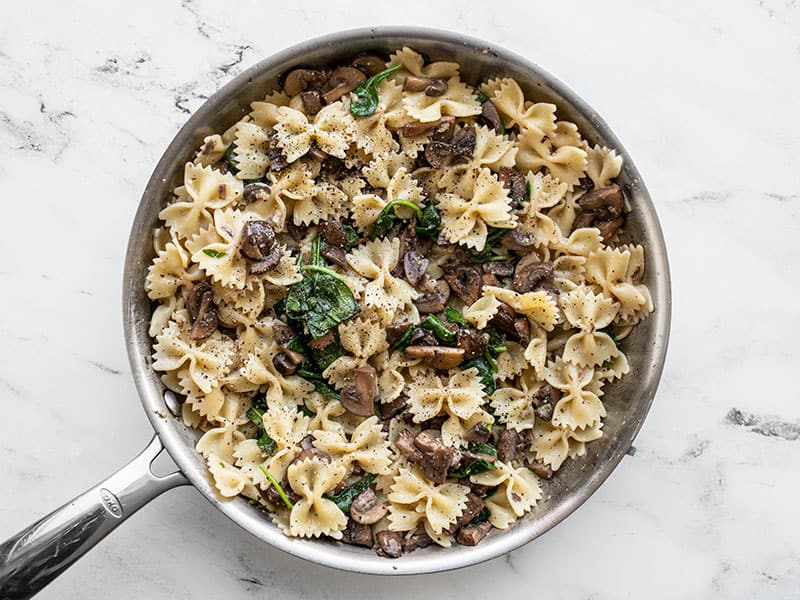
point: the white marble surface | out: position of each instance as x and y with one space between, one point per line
706 99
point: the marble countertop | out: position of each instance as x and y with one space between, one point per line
704 97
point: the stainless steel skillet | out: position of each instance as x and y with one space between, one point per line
39 553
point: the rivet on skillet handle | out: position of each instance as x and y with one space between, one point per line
37 555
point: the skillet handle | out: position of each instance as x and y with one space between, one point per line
40 553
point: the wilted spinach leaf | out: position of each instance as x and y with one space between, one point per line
344 499
387 217
477 466
433 324
484 365
367 93
233 164
452 315
428 222
488 253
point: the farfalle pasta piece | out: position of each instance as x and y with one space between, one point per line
458 101
462 396
326 202
265 112
380 170
169 271
589 313
538 306
401 186
220 442
578 407
455 428
545 192
603 165
252 151
204 190
332 129
565 163
480 312
512 362
367 446
465 221
518 493
553 445
313 514
538 119
414 63
492 151
616 271
287 186
362 338
207 360
375 262
413 497
513 407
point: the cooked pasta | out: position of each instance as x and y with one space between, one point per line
391 301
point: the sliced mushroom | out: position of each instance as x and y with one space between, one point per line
514 182
393 408
256 192
530 272
445 131
277 159
282 332
418 540
609 228
333 233
358 397
472 509
287 362
323 341
431 87
270 261
300 80
422 337
202 309
464 141
312 452
522 331
312 101
342 81
504 319
518 241
507 445
437 357
435 301
436 153
471 535
601 208
414 266
316 153
336 255
418 128
272 495
491 116
500 268
357 534
395 331
465 281
367 508
437 458
477 434
369 64
258 238
490 279
389 544
473 342
540 469
544 401
405 445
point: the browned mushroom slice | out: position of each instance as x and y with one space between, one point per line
464 141
504 319
203 311
393 408
300 80
477 434
316 153
473 342
270 261
445 131
414 266
472 509
282 332
277 159
518 241
405 445
357 534
436 153
437 458
333 233
417 128
435 301
322 342
258 238
422 337
431 87
465 281
500 268
471 535
369 64
396 330
389 544
287 362
255 192
609 228
608 198
342 81
418 540
530 272
367 508
312 452
507 445
358 397
491 116
540 469
514 182
544 402
522 331
437 357
312 101
336 255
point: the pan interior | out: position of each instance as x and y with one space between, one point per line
627 401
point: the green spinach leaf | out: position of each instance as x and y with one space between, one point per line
497 343
428 222
438 329
344 499
387 217
488 253
266 443
482 517
367 93
213 253
352 237
486 370
452 315
230 157
481 97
